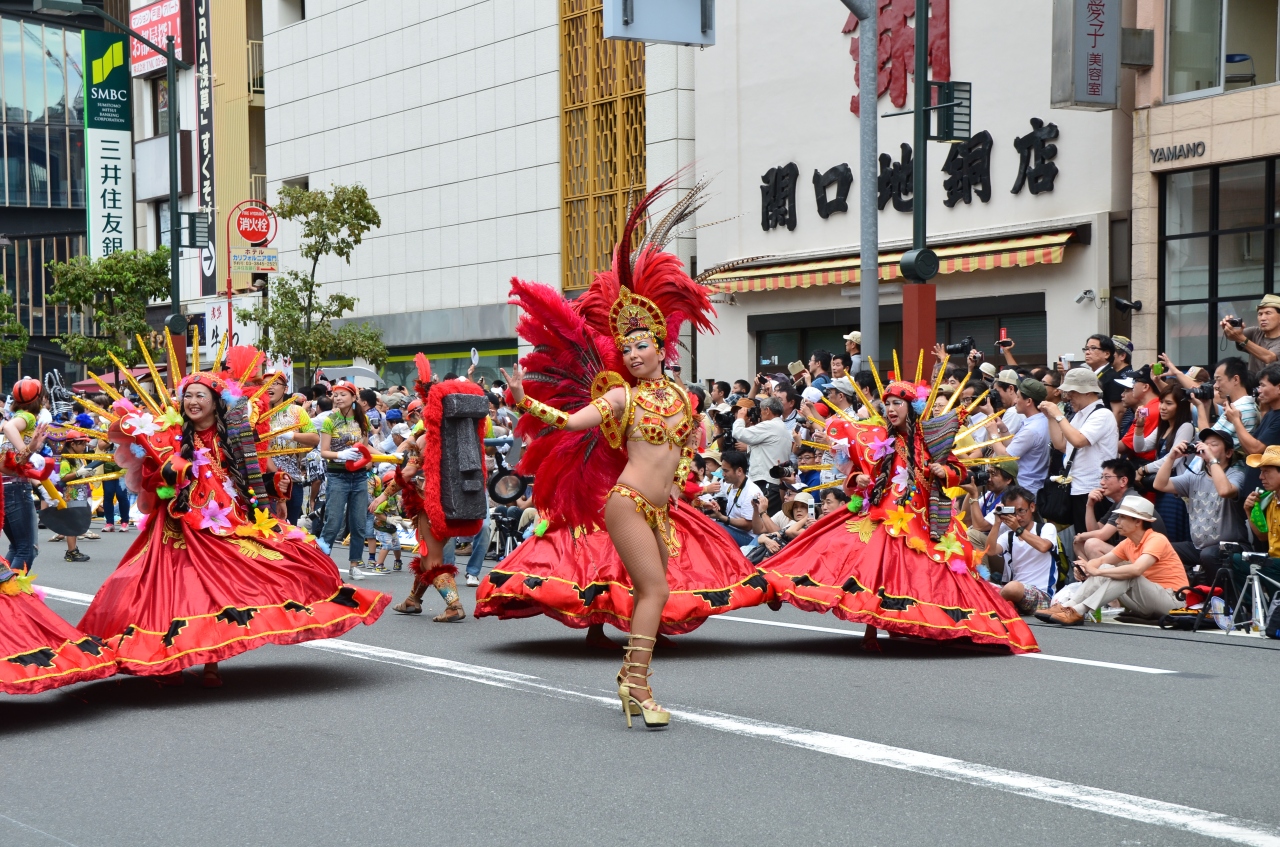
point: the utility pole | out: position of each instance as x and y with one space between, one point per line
176 321
867 14
920 264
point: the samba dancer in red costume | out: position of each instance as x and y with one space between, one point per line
214 573
39 650
602 413
899 558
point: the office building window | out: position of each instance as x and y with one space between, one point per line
1217 254
1216 46
42 85
602 138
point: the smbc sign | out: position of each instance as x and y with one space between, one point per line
107 104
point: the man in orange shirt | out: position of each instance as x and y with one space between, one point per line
1142 572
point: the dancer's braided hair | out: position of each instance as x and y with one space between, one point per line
886 471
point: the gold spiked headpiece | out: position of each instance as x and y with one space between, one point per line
632 314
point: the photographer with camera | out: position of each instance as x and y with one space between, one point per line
738 509
1212 497
1031 443
1086 440
1267 430
1143 572
1261 342
768 444
1027 549
1142 400
981 509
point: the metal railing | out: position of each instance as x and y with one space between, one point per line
258 187
257 74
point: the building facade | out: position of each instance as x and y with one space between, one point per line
42 218
497 138
222 146
1206 138
1026 215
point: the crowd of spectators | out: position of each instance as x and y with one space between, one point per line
1171 470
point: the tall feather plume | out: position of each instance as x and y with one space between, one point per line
567 355
422 385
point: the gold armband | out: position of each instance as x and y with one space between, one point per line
686 465
548 415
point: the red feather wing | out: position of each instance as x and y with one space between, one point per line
573 471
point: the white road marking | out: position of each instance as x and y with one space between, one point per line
1113 803
1045 656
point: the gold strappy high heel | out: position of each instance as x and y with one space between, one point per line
655 717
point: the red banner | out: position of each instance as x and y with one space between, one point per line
157 22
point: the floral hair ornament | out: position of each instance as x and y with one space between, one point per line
632 314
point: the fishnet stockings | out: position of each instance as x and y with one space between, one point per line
644 555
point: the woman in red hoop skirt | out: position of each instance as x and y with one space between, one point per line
898 558
214 573
577 578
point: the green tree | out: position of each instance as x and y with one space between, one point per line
111 294
297 321
13 335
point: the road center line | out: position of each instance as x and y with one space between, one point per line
1113 803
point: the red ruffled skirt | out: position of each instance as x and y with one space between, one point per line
40 651
182 598
883 583
581 581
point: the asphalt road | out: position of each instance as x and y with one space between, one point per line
488 732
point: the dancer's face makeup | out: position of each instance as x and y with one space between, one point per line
642 356
895 410
197 405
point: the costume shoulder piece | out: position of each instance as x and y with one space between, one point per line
613 426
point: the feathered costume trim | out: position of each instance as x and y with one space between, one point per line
567 355
432 416
573 343
427 576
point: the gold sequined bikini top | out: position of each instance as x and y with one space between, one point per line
656 400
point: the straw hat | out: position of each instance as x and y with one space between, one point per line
1134 506
1269 458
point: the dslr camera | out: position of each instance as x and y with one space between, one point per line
1203 393
963 346
980 476
782 471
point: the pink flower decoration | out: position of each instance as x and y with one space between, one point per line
213 516
295 534
922 392
142 521
900 478
200 458
958 566
881 447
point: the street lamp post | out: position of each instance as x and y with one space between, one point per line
67 8
869 142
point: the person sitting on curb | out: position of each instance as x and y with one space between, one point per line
1265 526
1212 497
1115 484
1029 548
1142 572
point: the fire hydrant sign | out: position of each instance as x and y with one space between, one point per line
255 260
254 224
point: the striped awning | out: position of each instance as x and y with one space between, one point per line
1046 249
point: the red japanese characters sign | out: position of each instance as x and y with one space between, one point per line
158 21
897 47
